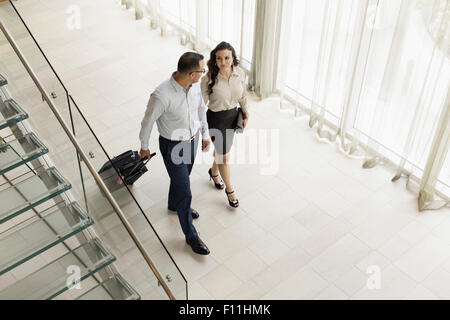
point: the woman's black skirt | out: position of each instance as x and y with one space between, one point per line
222 125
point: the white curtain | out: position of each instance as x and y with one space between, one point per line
438 154
139 9
265 47
374 76
202 24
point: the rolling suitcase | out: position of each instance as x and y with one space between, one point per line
130 167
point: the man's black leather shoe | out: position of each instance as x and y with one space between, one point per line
198 246
195 214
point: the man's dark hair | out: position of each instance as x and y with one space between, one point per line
189 61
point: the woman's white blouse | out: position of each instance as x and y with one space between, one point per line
226 93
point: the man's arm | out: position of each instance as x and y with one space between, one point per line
204 123
155 109
202 115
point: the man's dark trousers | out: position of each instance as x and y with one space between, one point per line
179 158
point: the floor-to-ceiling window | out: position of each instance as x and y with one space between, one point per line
206 23
379 70
232 21
373 74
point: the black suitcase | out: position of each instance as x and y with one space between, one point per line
130 167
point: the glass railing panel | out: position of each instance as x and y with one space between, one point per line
33 237
51 280
19 83
130 262
113 233
115 288
19 151
10 113
31 192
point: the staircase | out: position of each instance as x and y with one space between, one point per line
37 213
63 233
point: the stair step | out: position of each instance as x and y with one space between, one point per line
114 288
3 81
32 237
31 192
20 151
51 280
10 113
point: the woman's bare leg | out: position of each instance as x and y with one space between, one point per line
215 169
224 170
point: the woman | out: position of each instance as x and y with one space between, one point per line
223 88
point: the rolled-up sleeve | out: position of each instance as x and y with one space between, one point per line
155 108
243 99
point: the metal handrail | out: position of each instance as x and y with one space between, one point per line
94 173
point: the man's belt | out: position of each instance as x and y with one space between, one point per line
177 141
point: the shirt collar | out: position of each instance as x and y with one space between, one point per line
176 85
234 73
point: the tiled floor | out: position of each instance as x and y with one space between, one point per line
313 230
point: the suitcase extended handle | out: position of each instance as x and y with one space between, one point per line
139 162
151 156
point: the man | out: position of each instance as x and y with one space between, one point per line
178 109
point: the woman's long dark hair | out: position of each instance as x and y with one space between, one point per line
213 69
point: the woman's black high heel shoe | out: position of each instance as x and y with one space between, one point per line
219 185
234 203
